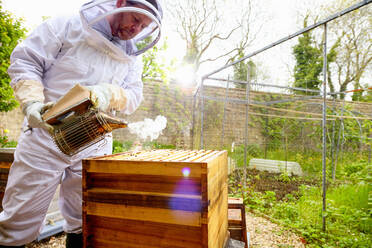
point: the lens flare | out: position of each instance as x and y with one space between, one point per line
185 196
186 172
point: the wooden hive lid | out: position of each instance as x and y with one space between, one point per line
165 155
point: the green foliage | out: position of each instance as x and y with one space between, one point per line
353 168
156 145
4 140
350 165
348 216
237 155
276 131
10 144
153 66
241 71
301 140
215 114
118 146
11 31
285 177
308 62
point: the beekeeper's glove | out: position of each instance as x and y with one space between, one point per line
30 95
106 97
33 112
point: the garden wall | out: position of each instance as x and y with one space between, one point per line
177 106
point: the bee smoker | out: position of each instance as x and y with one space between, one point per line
77 125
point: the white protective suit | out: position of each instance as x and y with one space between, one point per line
60 53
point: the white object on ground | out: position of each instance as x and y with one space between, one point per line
276 166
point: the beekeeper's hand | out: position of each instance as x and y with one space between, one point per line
33 112
30 94
107 97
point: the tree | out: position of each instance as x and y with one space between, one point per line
241 71
11 31
308 62
354 53
201 24
153 67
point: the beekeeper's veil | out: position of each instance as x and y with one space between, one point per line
95 12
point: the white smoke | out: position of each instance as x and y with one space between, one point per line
148 128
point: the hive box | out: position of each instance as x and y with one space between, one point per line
6 159
4 171
161 198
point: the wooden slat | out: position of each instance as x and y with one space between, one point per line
217 178
4 171
5 165
145 233
180 156
198 156
204 214
142 240
162 155
96 243
143 213
170 201
211 156
145 168
146 183
84 206
148 155
217 221
145 227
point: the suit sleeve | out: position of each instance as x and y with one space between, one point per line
33 56
133 86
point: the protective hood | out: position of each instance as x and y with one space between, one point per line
93 17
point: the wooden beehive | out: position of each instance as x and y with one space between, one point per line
6 159
4 171
161 198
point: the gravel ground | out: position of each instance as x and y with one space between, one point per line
263 234
57 241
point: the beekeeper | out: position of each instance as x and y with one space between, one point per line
98 49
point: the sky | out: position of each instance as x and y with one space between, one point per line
281 20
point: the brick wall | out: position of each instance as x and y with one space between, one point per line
177 106
12 121
218 135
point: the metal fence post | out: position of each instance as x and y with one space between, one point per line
247 89
324 123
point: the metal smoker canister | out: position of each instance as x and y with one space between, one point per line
78 132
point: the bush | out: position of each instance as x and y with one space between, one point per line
118 147
156 145
252 152
353 168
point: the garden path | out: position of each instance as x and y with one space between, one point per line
265 234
